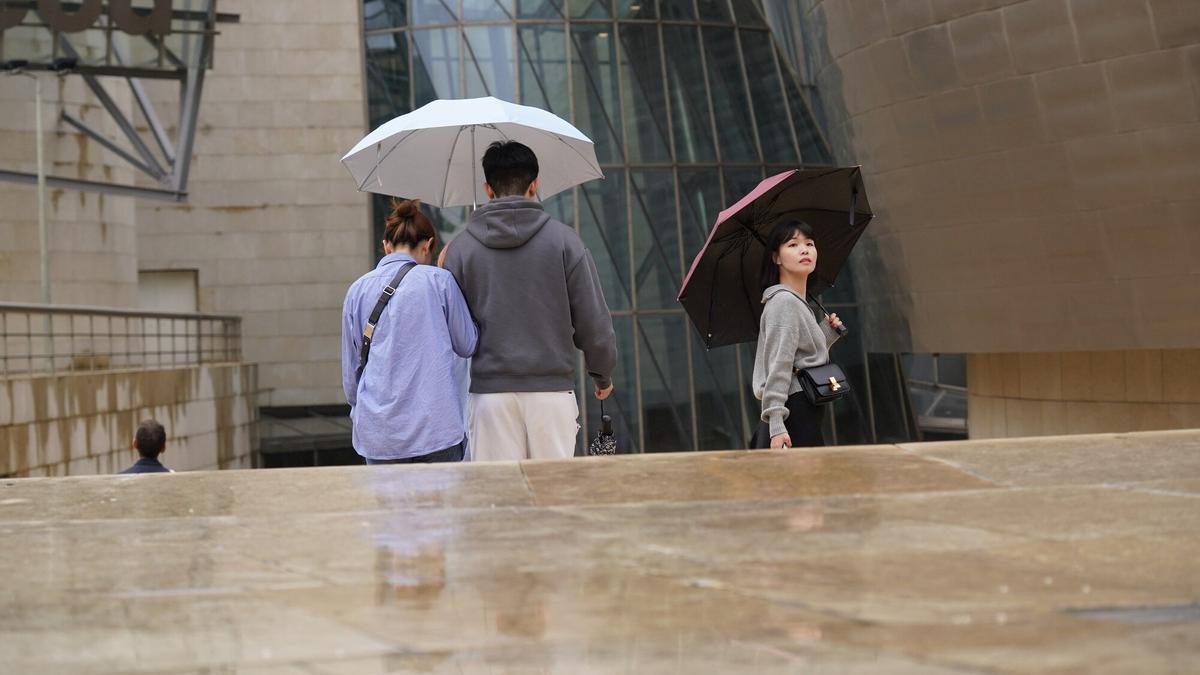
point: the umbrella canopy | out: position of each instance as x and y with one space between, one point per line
434 152
722 292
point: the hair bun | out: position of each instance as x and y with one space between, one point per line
404 208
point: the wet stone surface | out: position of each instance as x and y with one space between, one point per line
1058 555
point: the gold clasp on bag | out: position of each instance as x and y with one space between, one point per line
833 384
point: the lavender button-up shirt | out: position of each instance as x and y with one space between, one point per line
411 400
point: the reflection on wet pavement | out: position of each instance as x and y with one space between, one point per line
1037 555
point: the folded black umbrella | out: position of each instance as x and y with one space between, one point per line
722 293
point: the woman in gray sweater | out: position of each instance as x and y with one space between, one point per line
790 337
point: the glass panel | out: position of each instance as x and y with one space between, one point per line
739 183
636 9
889 397
622 405
486 9
434 11
678 9
919 367
540 9
379 14
597 111
435 62
753 406
489 66
853 422
952 369
562 207
714 10
449 221
734 125
645 96
602 226
812 149
689 98
388 84
655 239
747 13
589 9
699 202
666 405
774 128
843 289
718 413
542 50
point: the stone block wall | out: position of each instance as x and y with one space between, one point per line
273 224
83 423
1036 394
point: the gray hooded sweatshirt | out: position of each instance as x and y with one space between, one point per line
789 337
533 287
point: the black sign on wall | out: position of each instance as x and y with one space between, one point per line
73 17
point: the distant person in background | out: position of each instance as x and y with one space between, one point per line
150 440
407 401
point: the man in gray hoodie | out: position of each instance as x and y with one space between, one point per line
534 290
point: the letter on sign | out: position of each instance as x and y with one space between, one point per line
134 22
72 22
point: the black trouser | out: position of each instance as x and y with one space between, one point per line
453 453
803 423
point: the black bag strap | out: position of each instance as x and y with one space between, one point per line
369 330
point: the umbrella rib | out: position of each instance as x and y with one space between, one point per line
385 156
449 161
779 193
577 152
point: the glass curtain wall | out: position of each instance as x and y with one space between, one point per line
689 105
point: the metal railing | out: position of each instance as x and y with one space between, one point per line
54 339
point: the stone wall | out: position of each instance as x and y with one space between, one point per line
1037 394
83 423
92 237
273 224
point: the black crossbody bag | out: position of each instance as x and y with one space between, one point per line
369 330
823 384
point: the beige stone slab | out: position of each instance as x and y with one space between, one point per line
741 475
857 560
206 494
1073 460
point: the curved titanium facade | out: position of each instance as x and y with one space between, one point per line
1033 165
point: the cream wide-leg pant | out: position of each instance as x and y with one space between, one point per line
523 425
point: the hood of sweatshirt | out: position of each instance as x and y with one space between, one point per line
772 291
507 222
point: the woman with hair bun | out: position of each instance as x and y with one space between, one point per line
406 399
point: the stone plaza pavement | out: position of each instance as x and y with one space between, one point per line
1064 554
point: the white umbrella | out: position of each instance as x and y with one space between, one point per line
434 152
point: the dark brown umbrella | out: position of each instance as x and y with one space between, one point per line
721 291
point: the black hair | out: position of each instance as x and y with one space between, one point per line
150 438
781 233
509 167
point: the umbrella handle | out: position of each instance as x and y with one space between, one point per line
605 421
841 330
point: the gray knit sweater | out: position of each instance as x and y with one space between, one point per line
789 337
